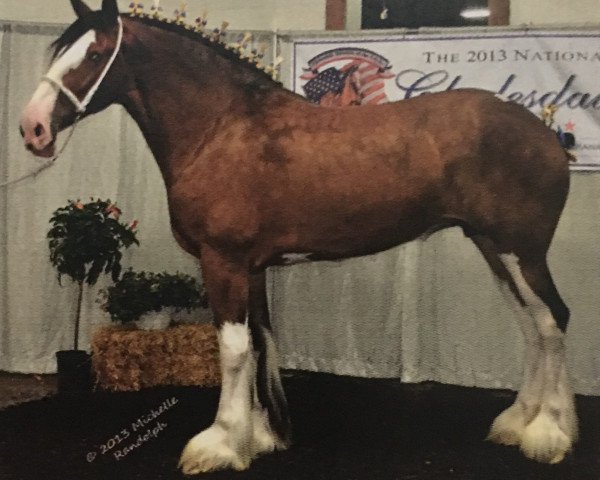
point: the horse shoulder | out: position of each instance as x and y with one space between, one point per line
214 199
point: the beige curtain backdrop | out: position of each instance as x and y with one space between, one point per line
422 311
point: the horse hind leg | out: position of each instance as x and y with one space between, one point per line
271 423
542 419
553 431
509 426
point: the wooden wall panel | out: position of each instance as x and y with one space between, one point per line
335 12
499 12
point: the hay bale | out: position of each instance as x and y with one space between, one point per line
130 359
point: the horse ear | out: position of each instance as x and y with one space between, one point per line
80 8
110 9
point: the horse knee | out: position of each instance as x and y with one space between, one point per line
235 346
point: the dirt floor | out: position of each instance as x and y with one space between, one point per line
344 429
17 388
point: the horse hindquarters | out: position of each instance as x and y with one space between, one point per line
542 420
242 428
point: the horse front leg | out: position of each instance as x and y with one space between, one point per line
228 442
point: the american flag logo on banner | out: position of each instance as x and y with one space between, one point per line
347 76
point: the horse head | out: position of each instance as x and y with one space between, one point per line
85 76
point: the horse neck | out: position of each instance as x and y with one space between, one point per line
184 90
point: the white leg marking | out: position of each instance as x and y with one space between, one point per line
228 442
265 441
551 434
509 426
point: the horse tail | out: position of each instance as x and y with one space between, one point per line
571 157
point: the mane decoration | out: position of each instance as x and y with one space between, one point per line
241 50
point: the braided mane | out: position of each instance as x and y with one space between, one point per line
187 31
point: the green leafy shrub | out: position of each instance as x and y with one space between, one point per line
86 240
137 293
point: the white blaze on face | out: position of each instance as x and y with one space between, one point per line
39 110
71 58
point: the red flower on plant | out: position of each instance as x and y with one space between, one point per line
133 225
79 205
113 211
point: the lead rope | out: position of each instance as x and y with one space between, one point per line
80 107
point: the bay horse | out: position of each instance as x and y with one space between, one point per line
257 176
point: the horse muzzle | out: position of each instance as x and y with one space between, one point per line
38 137
46 152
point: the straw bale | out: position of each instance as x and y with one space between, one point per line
124 358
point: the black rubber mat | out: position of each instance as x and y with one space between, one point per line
344 429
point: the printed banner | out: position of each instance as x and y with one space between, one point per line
534 69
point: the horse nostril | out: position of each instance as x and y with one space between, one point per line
39 130
29 147
21 131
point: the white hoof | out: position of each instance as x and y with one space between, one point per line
508 427
544 441
568 421
264 440
210 450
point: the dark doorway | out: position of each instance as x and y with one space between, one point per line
377 14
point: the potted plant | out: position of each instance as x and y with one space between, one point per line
137 294
85 241
142 352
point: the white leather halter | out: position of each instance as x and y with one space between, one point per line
81 105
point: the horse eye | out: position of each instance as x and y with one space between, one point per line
94 57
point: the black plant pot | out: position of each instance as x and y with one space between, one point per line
74 368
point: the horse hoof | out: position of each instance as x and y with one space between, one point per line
209 451
544 441
508 427
264 440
